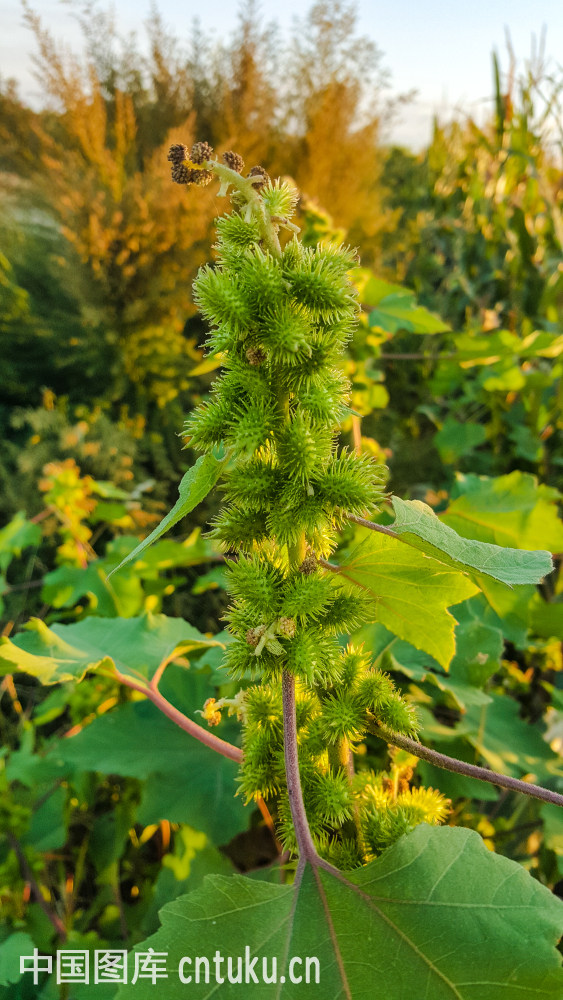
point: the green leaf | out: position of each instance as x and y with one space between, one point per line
396 307
410 591
11 949
417 523
509 510
508 378
508 743
396 312
213 580
16 536
183 780
66 585
512 607
546 619
456 439
48 831
132 646
184 869
436 916
496 346
194 487
478 652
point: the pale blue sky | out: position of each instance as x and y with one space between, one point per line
443 49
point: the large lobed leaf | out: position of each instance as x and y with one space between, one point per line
436 917
418 525
132 646
183 780
411 592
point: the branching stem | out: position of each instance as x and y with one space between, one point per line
471 770
373 527
181 720
246 185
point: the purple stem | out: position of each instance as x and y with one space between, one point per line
471 770
307 850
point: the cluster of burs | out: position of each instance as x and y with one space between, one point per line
280 321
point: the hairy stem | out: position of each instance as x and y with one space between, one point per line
268 230
471 770
374 527
181 720
307 850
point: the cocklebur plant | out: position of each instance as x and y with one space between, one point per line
380 912
280 319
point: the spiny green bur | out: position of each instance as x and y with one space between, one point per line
280 320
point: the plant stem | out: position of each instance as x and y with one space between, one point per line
307 850
181 720
245 185
28 875
471 770
373 527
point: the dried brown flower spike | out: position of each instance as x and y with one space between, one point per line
201 152
176 155
262 178
234 161
185 166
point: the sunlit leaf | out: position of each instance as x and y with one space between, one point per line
509 510
417 523
183 780
410 591
394 307
133 646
